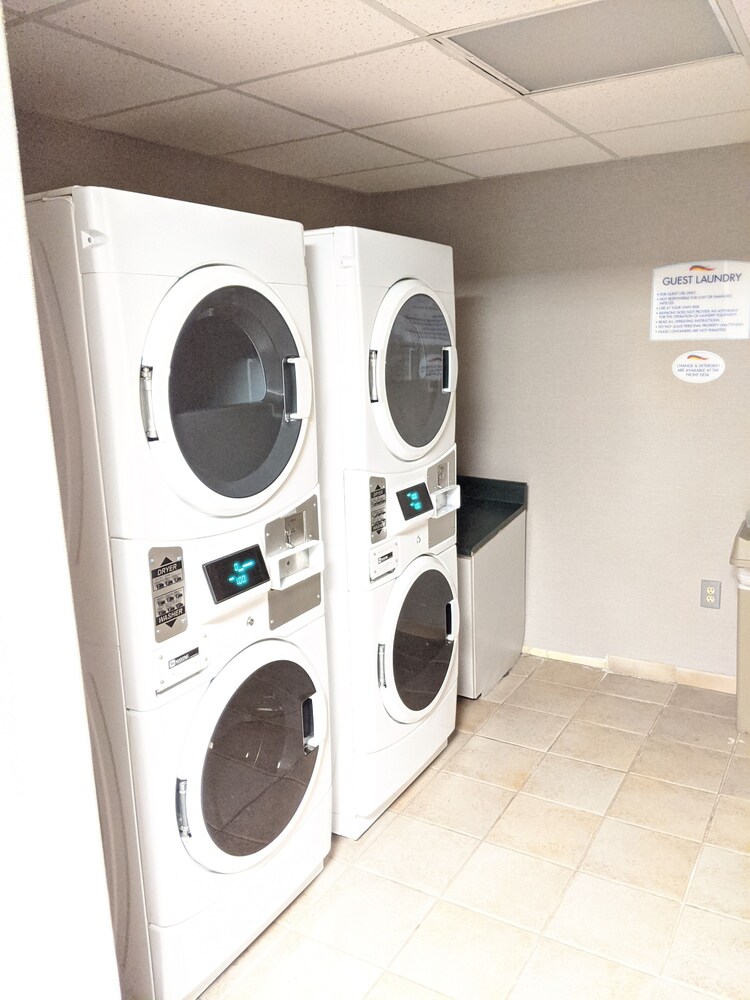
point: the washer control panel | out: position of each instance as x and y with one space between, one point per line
378 495
167 592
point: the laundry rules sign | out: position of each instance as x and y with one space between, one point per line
701 300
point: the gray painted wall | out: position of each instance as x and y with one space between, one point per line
58 154
637 482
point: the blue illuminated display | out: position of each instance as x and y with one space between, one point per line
414 501
240 578
236 573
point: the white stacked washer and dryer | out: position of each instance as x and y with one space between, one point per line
178 351
383 333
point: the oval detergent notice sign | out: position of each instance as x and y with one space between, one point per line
698 366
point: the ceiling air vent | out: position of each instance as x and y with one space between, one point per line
596 41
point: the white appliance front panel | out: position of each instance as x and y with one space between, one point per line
101 338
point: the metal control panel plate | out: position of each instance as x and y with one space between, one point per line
378 495
167 592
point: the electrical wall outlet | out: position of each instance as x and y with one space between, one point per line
710 593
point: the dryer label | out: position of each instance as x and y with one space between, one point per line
167 592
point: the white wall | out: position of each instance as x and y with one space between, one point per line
59 154
637 482
56 937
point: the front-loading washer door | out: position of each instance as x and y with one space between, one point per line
416 654
251 757
413 369
225 389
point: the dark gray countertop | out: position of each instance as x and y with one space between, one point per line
487 506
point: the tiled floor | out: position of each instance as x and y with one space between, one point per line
584 835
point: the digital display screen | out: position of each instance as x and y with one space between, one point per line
235 574
414 500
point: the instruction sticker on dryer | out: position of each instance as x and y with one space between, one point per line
701 300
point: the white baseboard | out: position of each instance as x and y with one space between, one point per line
646 669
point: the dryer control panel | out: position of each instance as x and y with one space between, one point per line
378 523
167 592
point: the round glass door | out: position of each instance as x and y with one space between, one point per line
259 760
422 646
415 365
252 756
228 396
225 389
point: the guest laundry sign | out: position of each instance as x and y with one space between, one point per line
698 366
706 300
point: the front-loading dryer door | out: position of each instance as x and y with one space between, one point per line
251 757
413 369
417 648
225 389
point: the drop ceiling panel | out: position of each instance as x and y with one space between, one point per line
219 122
523 159
341 152
442 15
57 74
31 6
598 41
707 88
413 175
669 137
469 130
235 41
406 82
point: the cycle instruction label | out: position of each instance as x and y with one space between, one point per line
706 300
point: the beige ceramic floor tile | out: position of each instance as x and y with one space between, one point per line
332 871
545 829
457 739
366 916
544 697
711 953
347 851
702 700
557 972
659 805
598 745
722 883
738 778
642 858
730 826
616 922
470 715
524 727
300 966
510 886
234 983
418 785
418 854
463 954
460 804
526 665
574 783
495 762
571 674
390 987
682 764
635 687
742 747
697 728
671 991
620 713
505 686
